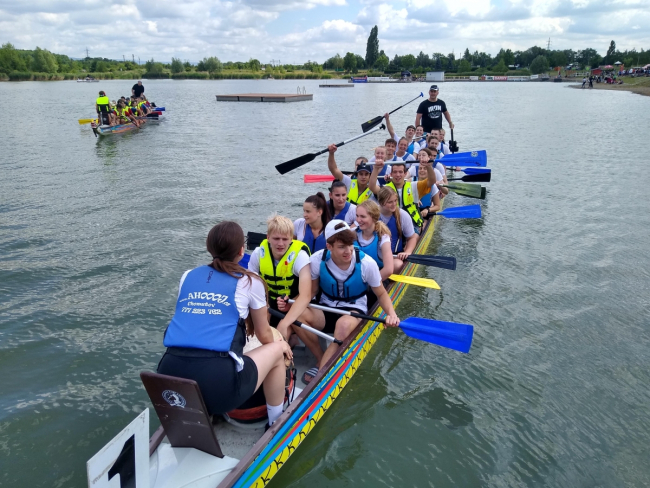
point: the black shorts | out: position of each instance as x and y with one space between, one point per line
222 387
331 318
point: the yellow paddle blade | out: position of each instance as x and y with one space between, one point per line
85 121
412 280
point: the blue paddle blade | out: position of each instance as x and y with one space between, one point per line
466 212
476 171
244 261
473 158
161 109
446 334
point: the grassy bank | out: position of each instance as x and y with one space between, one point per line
639 85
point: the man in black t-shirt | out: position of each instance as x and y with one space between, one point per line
430 112
137 90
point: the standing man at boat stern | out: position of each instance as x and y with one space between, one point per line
342 274
430 112
138 89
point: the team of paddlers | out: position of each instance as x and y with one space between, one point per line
125 110
340 254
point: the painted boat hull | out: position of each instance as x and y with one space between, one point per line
103 130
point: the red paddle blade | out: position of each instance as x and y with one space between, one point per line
318 178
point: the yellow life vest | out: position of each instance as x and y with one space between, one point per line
102 103
353 194
407 202
280 279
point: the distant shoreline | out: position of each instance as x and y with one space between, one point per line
640 90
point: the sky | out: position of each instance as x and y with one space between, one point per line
295 31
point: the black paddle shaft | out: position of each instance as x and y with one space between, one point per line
366 126
453 145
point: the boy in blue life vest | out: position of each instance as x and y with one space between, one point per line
342 275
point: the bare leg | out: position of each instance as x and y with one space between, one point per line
398 264
315 319
344 327
271 371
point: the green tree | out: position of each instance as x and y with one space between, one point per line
464 66
177 66
408 61
254 64
372 48
467 56
539 65
350 62
611 52
438 63
152 67
423 60
500 67
10 59
44 61
382 62
212 64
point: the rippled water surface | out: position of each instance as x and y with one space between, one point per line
95 233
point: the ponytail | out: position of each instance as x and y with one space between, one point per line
320 203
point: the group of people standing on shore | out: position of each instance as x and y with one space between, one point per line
340 254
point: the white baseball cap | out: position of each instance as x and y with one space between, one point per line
330 229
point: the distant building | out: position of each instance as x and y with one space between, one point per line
435 76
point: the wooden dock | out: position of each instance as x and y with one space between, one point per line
337 85
264 97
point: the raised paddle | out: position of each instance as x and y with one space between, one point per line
302 160
472 158
476 171
466 212
323 178
479 178
446 334
453 145
366 126
280 315
471 191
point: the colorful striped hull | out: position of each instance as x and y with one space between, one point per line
313 402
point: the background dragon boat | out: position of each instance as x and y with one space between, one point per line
221 451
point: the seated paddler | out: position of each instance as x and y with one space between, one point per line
342 275
206 336
315 216
283 263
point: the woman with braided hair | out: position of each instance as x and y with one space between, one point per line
206 336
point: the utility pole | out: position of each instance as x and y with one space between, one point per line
123 58
133 58
87 53
548 45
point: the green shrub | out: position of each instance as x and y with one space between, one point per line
325 77
20 76
154 76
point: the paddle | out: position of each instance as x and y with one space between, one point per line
159 109
366 126
280 315
473 158
446 334
445 262
473 191
302 160
254 239
482 178
86 121
466 212
476 171
318 178
453 145
412 280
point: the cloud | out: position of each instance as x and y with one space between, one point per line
316 29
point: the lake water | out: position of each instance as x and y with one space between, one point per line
95 234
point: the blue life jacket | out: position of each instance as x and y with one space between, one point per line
206 314
396 243
409 150
373 249
353 287
314 244
425 200
341 215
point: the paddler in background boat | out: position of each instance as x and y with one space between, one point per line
338 205
408 193
283 263
402 234
102 106
342 274
309 229
358 191
206 336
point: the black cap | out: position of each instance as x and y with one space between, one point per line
364 167
434 87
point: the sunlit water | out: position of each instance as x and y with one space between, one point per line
94 235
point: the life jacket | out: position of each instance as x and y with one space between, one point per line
206 314
341 215
407 202
411 148
373 249
280 279
103 104
425 201
353 194
353 287
396 238
314 244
